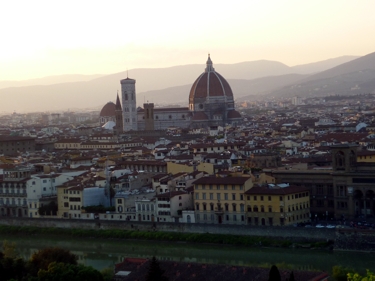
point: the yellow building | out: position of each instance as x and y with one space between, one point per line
277 205
220 200
366 156
69 201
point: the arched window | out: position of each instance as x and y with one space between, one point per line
126 97
262 209
248 208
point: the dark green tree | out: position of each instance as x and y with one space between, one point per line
64 271
42 258
155 273
274 274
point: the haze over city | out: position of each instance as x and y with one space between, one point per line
44 38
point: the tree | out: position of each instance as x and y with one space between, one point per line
155 273
107 274
340 273
64 271
356 277
42 258
274 274
9 249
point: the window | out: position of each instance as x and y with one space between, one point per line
248 208
196 196
211 207
225 187
197 207
233 187
211 196
234 207
218 196
270 209
233 196
261 198
204 196
119 201
234 217
262 209
269 198
255 198
204 207
225 196
218 187
241 196
211 186
281 198
242 207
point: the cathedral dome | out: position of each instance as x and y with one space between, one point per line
210 84
108 110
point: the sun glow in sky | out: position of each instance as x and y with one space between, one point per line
43 38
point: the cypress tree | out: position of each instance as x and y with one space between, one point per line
274 274
155 273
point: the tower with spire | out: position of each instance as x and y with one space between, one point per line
119 128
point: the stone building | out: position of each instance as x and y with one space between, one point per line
12 145
211 103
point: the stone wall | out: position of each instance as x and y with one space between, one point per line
355 240
297 234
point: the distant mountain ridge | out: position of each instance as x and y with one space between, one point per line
353 77
160 84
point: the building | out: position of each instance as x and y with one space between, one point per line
107 114
211 101
211 104
13 195
221 200
129 105
12 145
277 205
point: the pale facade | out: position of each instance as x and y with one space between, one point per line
221 200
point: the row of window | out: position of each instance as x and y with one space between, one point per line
233 196
218 186
214 218
211 207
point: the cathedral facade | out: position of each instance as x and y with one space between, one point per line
211 103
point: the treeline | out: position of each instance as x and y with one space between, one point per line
254 241
45 265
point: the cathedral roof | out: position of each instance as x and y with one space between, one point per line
108 110
198 116
210 84
233 114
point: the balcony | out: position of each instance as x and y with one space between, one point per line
219 211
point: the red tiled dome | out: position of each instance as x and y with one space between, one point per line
210 83
108 110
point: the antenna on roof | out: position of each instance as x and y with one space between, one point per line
127 73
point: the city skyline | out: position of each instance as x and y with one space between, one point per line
43 39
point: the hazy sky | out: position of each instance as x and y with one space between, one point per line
42 38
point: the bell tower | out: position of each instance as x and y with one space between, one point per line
129 105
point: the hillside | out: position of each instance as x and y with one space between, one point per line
354 77
162 85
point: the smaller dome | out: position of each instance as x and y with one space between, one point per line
108 110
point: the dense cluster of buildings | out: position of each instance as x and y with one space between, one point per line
262 163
